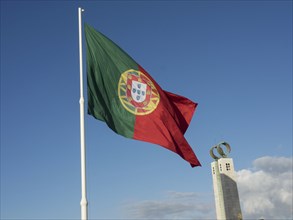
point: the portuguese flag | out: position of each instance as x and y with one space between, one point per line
122 94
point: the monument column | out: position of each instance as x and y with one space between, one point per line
225 184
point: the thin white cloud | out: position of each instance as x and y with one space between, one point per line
266 189
176 205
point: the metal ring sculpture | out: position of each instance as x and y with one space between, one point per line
220 150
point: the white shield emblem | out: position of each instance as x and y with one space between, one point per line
138 91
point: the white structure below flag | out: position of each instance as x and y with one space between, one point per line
225 185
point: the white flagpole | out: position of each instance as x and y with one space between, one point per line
83 202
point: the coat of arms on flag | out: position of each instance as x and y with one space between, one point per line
137 93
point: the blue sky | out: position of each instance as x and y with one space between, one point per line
232 57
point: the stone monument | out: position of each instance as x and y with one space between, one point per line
225 184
